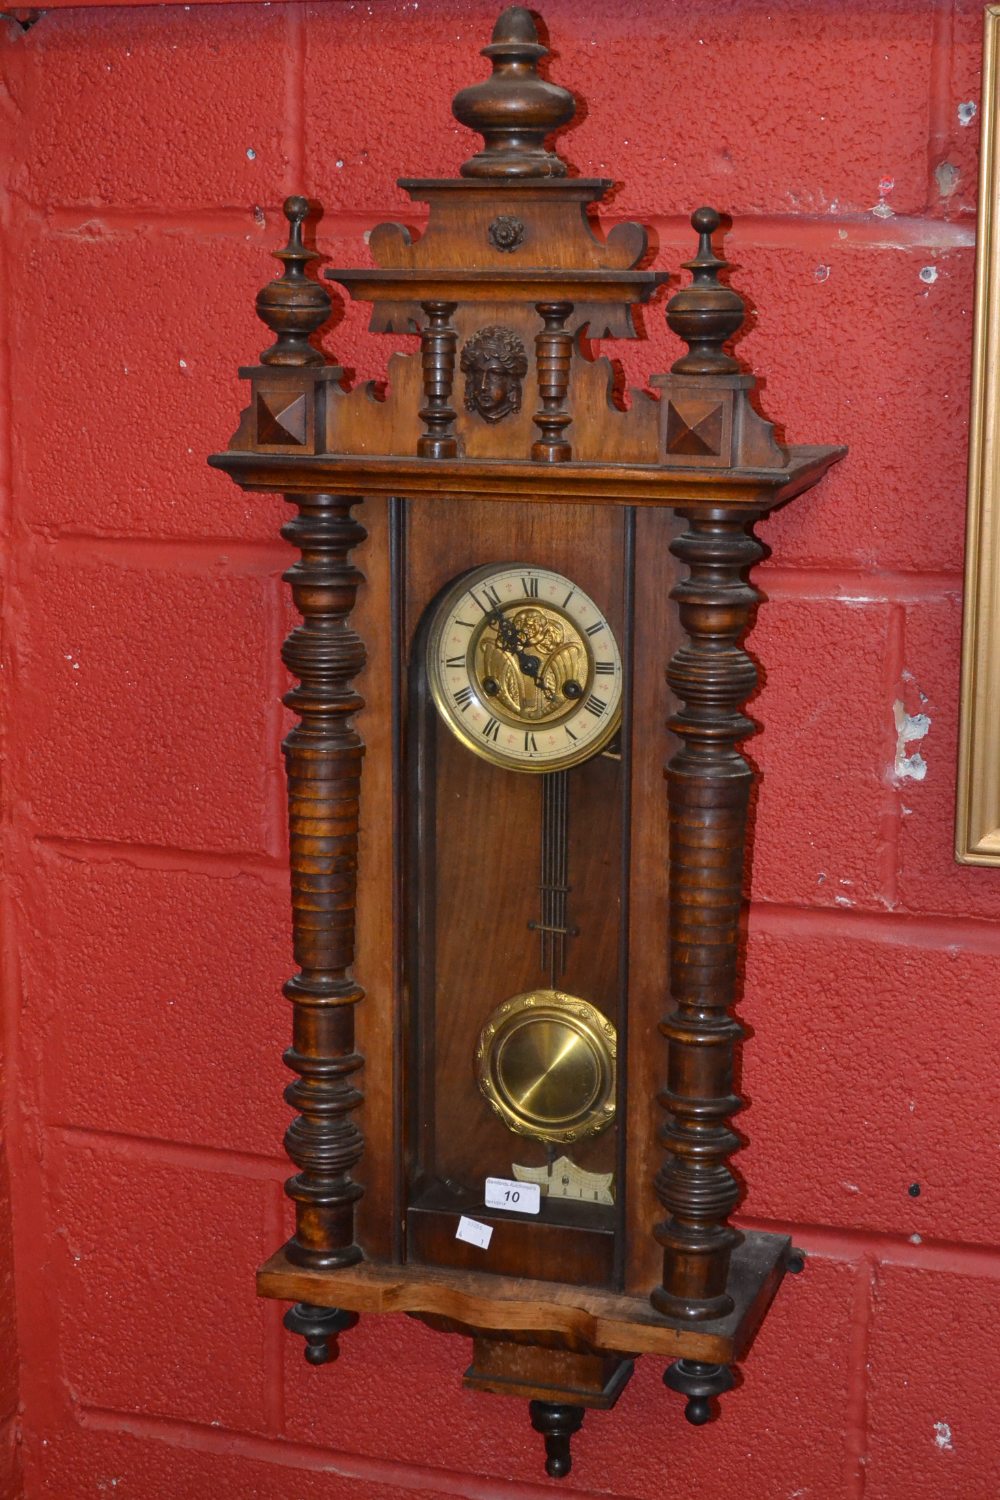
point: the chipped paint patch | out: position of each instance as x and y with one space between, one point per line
909 727
946 174
881 208
942 1437
967 112
929 274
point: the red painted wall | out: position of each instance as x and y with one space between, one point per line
145 938
9 1454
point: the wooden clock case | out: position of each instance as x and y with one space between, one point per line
640 502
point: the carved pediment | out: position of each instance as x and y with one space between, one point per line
508 285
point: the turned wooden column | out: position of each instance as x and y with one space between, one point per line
553 354
709 785
438 342
323 764
323 755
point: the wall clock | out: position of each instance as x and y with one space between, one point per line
521 1133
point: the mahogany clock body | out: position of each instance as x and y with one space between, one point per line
462 913
471 899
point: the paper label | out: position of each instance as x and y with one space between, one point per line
474 1233
517 1197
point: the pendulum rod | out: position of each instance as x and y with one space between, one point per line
552 927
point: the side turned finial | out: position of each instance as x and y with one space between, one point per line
515 110
557 1421
700 1384
705 314
320 1327
293 305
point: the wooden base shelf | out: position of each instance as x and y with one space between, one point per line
575 1317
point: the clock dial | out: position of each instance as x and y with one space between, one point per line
524 668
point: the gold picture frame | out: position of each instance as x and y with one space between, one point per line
977 821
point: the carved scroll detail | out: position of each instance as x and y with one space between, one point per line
323 756
709 785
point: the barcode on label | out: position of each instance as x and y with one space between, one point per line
518 1197
474 1233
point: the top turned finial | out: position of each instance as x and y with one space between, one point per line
705 314
515 110
293 305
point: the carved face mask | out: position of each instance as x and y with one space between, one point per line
494 363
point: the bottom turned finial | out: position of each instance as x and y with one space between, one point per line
320 1327
700 1383
556 1421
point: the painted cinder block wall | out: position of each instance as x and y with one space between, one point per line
145 919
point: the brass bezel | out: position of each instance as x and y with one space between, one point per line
442 698
579 1018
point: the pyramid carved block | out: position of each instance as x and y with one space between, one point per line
282 419
695 428
697 420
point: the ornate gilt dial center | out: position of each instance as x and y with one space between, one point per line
533 662
546 1063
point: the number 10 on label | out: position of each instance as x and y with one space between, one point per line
518 1197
